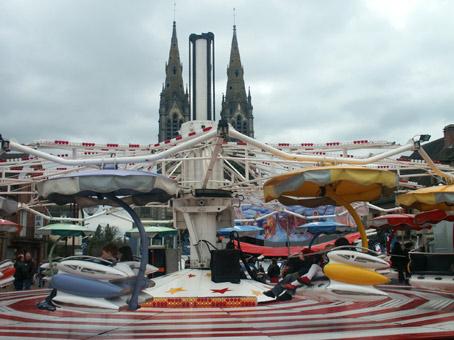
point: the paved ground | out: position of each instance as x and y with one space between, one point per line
406 314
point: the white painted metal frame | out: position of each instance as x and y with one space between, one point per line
258 160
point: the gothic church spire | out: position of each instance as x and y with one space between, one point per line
235 72
236 105
174 104
174 69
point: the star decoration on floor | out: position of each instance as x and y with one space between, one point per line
191 275
221 291
256 292
175 290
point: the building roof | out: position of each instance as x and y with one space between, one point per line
437 151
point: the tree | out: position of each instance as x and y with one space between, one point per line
101 237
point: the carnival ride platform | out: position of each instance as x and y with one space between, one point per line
193 288
406 313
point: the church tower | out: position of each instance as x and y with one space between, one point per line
236 105
174 103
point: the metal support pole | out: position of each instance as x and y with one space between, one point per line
133 303
193 237
191 141
312 158
51 253
331 194
214 156
448 177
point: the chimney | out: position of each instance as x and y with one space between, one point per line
449 136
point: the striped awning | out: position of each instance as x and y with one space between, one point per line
396 222
9 226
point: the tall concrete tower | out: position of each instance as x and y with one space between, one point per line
201 76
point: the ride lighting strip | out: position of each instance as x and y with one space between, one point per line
117 160
95 154
316 158
95 148
201 302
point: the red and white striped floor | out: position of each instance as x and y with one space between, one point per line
406 314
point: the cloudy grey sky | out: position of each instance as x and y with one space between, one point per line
319 71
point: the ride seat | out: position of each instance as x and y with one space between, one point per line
125 268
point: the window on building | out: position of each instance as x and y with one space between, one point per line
175 125
168 129
239 123
144 212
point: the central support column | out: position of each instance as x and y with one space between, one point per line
205 206
202 216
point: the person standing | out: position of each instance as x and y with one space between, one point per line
219 239
408 246
398 260
20 271
29 270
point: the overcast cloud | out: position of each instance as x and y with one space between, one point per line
318 70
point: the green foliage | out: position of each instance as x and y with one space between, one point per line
110 234
101 237
60 250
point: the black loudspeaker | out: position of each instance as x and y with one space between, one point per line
225 266
157 258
